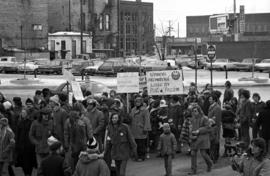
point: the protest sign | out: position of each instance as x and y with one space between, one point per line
76 89
168 82
128 82
142 81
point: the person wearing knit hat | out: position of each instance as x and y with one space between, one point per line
90 162
7 105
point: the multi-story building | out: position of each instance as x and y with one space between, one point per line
99 18
23 24
136 27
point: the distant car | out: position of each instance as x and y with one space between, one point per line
78 67
83 57
92 70
45 66
28 67
183 60
246 64
112 67
155 65
220 64
95 88
264 65
202 62
8 64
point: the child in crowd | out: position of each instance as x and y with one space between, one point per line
167 147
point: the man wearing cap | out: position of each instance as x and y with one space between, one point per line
54 164
97 120
32 110
140 126
59 116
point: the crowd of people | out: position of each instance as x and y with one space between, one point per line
97 136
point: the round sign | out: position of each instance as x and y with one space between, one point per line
211 52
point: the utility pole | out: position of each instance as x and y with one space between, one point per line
178 30
81 16
125 37
21 28
170 28
69 15
118 27
196 62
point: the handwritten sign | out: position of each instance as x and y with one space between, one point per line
167 82
128 82
142 81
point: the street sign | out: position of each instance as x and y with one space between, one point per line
211 52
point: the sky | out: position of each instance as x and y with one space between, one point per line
177 10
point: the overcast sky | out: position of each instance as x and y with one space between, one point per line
177 10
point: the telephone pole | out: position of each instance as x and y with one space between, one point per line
81 16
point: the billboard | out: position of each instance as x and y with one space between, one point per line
218 24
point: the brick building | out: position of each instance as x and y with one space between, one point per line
138 17
99 19
23 24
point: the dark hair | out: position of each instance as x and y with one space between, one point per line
63 97
228 84
119 118
105 94
260 142
245 93
267 103
175 98
256 95
46 92
87 93
217 93
38 92
214 97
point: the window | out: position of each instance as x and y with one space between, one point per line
101 22
107 22
90 5
83 21
84 47
63 45
37 27
52 45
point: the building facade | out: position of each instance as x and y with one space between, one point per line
24 24
99 19
136 27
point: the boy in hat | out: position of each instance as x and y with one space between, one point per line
54 164
167 147
90 162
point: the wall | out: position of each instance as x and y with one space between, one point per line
14 13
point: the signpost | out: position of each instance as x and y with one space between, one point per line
211 52
167 82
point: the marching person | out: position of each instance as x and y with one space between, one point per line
122 143
199 138
257 106
140 126
167 147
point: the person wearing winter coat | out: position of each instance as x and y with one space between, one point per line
122 143
7 143
90 162
245 113
175 112
228 93
257 106
140 126
167 147
154 119
214 113
263 123
59 117
25 150
254 163
76 136
97 120
39 132
54 164
200 139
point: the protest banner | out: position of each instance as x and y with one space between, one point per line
76 90
128 82
167 82
142 81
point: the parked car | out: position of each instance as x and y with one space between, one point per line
45 66
96 88
78 66
220 64
202 62
183 60
92 70
28 67
8 64
112 67
155 65
264 65
246 64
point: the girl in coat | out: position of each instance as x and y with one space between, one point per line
122 143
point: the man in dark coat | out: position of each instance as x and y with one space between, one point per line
257 107
54 164
263 123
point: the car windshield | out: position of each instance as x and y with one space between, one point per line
222 60
247 61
